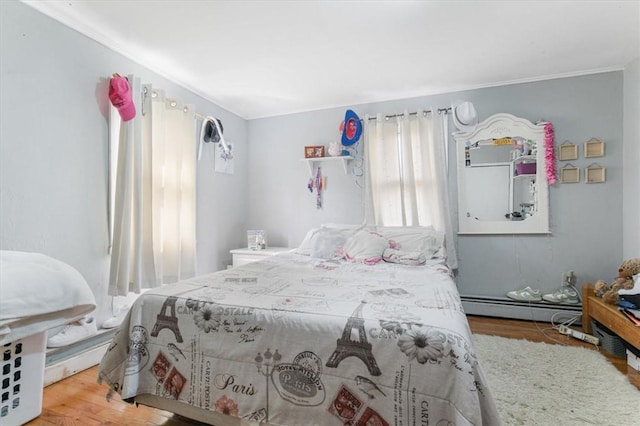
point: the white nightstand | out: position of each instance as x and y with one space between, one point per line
245 255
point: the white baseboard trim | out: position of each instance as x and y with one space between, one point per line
69 366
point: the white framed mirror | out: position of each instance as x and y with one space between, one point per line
502 185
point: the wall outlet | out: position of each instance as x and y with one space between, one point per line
569 279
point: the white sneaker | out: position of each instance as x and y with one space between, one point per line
116 319
74 332
526 294
563 295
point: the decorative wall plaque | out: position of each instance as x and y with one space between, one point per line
593 148
594 174
567 151
569 174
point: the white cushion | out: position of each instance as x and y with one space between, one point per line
365 246
422 239
309 242
328 243
404 257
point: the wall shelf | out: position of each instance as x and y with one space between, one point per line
525 176
343 158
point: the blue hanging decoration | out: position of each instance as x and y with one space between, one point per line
351 128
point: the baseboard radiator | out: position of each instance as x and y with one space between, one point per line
64 362
507 308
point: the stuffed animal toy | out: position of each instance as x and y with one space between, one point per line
609 292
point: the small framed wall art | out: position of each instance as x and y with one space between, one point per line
593 148
594 174
314 151
569 174
567 151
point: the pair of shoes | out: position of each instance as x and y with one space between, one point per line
74 332
564 295
526 294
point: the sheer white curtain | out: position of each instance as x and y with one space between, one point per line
153 214
406 173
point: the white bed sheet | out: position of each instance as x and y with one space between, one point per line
38 293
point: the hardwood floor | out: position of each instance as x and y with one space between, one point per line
80 401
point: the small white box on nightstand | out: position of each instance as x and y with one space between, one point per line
633 360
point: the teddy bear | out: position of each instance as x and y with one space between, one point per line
609 292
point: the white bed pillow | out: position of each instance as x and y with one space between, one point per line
329 241
308 243
366 246
328 244
404 257
422 239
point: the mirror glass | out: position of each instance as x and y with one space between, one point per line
502 187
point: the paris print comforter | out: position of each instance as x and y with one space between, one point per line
293 340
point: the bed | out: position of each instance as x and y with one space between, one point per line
358 326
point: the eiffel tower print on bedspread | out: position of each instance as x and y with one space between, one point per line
168 320
360 348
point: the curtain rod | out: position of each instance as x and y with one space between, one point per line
173 103
440 111
386 117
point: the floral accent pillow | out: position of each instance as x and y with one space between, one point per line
423 239
365 247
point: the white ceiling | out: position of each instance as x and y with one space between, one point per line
267 58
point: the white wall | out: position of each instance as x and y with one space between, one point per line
586 219
54 150
631 162
280 200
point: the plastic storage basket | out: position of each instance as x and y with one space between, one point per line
608 339
526 168
22 379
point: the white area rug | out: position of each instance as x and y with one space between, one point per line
542 384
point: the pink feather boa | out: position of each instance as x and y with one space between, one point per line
549 153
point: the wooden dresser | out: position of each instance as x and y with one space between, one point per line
608 315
